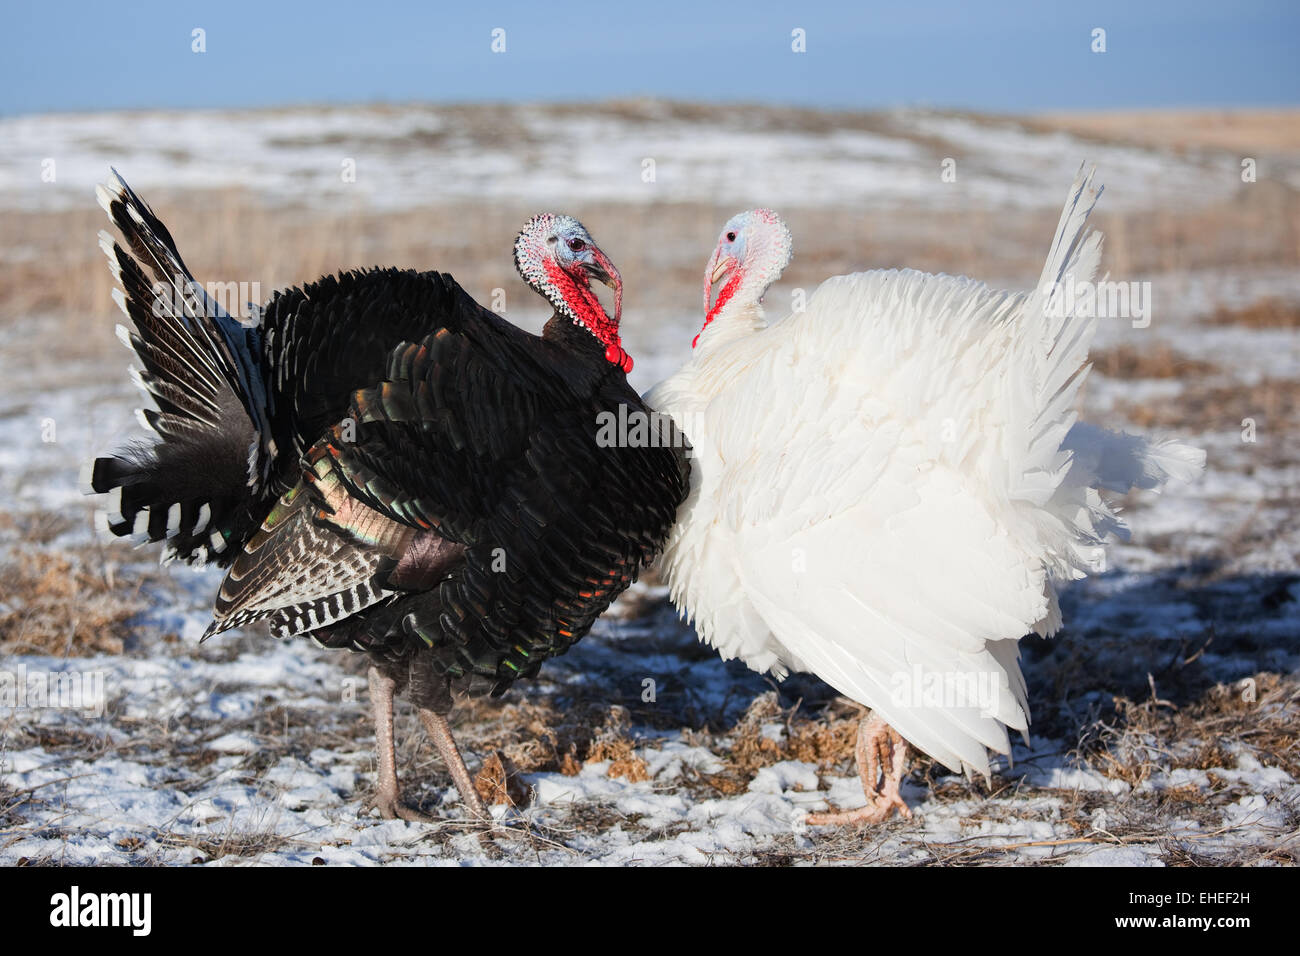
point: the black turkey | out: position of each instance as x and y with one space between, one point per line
384 465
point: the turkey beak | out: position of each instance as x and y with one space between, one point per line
603 270
718 267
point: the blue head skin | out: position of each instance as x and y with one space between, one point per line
753 250
557 257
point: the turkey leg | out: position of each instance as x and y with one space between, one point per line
882 755
388 798
436 726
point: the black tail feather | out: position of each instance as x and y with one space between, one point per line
201 371
146 501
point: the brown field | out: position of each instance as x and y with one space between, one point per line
54 266
1247 132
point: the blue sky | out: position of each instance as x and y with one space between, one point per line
1011 56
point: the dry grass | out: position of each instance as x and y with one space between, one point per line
1246 132
1127 361
57 605
54 267
534 736
826 740
1272 403
229 236
614 744
213 846
1259 716
498 781
1267 313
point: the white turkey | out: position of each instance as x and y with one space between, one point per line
888 487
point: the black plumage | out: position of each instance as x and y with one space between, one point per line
384 465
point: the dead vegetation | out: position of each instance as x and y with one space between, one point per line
532 736
1127 361
1258 715
660 248
207 847
536 736
1140 743
1266 313
1242 131
64 604
1272 404
826 740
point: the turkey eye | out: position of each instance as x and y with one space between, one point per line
731 237
577 245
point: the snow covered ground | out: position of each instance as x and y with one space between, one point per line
420 155
1165 717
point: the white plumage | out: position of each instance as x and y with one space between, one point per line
888 486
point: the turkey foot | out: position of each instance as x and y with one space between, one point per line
882 754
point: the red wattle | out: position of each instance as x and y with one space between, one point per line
724 297
616 356
577 292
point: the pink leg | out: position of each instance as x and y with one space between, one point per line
882 756
436 726
388 798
